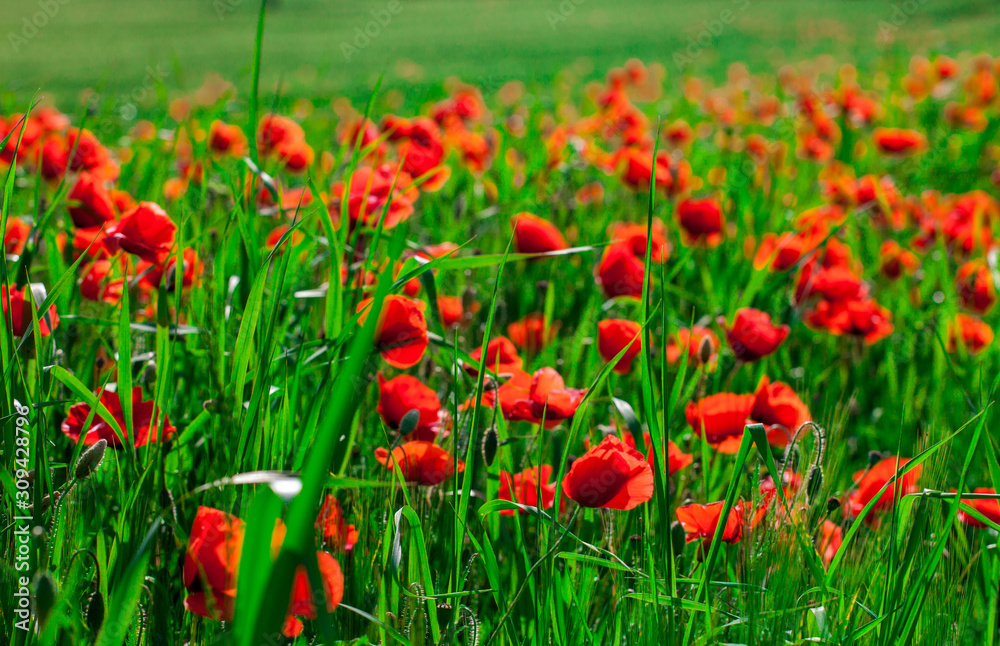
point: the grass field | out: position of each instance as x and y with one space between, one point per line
518 362
102 42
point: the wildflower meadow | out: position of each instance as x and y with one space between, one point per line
636 354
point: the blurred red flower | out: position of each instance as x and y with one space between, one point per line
533 234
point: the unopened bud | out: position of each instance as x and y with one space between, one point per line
95 612
90 459
832 504
678 536
705 350
491 442
45 590
409 422
874 457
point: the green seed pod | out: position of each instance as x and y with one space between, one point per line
45 590
814 482
491 442
409 422
90 459
95 612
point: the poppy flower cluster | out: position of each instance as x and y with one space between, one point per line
212 565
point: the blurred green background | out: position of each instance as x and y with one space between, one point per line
120 45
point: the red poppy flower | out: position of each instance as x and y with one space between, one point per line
784 251
402 330
370 190
529 335
634 237
211 563
780 410
721 419
753 336
424 463
976 289
98 284
637 170
303 601
837 283
613 336
422 152
15 236
895 261
146 231
226 139
899 142
690 341
791 482
989 507
701 222
676 459
404 393
976 335
297 156
275 130
144 430
610 475
524 487
548 398
90 204
620 272
453 313
832 536
866 319
501 357
17 312
701 521
153 274
869 483
90 156
333 526
533 234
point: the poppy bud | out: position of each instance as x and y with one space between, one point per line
814 481
409 422
491 442
832 504
792 458
705 350
44 595
90 459
678 536
874 457
95 612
